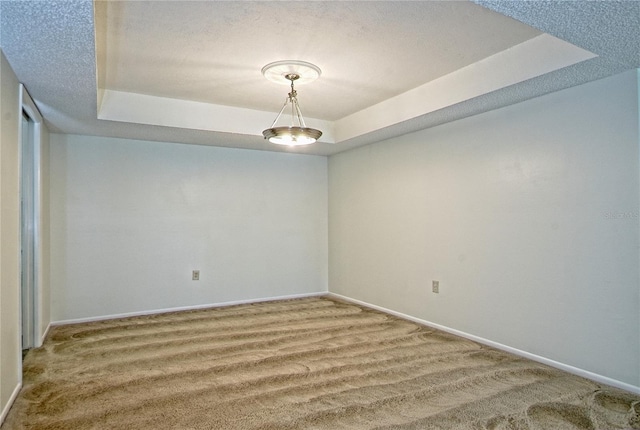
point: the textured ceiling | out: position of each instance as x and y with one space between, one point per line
370 52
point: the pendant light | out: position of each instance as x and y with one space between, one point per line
297 133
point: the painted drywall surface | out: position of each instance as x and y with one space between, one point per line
9 235
130 220
527 215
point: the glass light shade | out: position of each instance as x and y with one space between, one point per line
292 136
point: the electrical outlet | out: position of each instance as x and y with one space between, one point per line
195 275
435 286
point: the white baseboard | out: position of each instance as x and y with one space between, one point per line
12 399
44 335
567 368
185 308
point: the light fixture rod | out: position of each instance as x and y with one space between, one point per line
295 106
292 98
280 113
299 113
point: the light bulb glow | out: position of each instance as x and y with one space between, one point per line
292 136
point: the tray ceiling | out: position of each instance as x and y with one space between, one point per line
189 72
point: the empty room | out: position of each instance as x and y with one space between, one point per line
319 214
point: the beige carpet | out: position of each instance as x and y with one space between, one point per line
311 363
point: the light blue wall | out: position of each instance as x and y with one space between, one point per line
131 219
10 330
527 215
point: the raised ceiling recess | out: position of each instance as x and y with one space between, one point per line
196 65
189 71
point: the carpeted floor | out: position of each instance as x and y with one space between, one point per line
312 363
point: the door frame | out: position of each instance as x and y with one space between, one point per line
35 334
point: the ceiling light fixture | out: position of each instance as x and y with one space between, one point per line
289 72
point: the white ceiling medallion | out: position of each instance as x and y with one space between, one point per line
287 72
278 70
